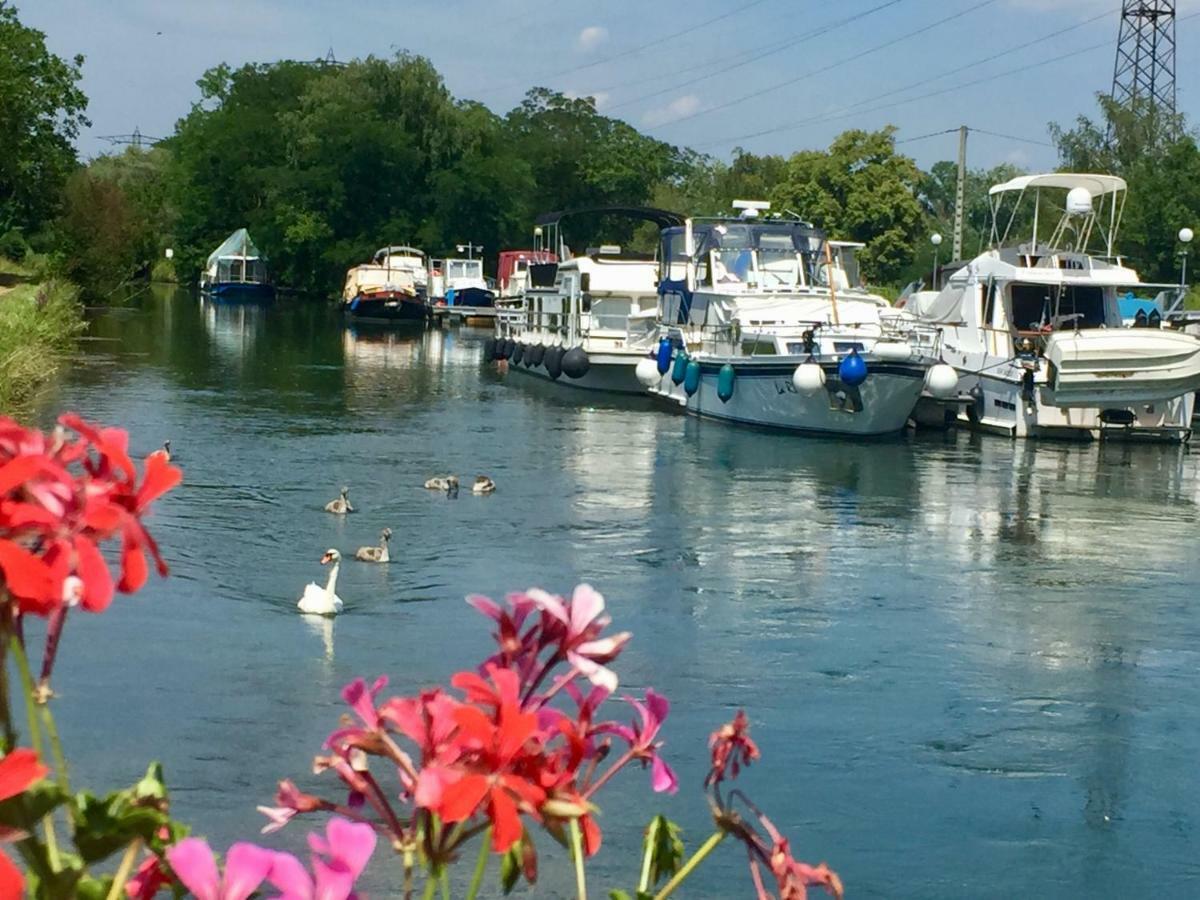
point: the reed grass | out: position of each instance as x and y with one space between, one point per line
38 327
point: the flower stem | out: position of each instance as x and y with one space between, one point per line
577 853
124 870
35 738
603 779
480 864
444 880
648 857
698 857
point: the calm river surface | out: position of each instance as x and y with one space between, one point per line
973 665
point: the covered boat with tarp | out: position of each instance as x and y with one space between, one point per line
237 270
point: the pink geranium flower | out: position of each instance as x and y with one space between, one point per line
246 868
338 860
361 699
641 737
582 620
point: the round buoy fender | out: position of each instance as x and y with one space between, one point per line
691 377
518 353
647 372
852 369
539 354
808 378
553 362
725 381
575 363
942 381
679 368
663 356
892 350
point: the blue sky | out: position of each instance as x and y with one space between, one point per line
770 75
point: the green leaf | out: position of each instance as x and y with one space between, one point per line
666 853
25 809
104 826
510 869
90 888
619 895
152 787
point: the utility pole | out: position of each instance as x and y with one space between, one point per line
1145 68
960 193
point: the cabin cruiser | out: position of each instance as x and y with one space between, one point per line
513 271
459 282
764 322
586 320
392 287
237 271
1035 327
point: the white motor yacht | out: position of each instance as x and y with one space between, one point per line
1034 326
763 321
585 321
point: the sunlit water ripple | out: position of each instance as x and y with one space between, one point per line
972 664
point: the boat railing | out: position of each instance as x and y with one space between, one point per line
922 337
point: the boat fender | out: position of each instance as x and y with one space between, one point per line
725 379
691 378
663 356
647 372
892 350
942 381
553 362
518 353
679 369
509 346
575 363
853 369
809 378
489 349
539 354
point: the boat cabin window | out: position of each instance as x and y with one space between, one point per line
759 347
673 258
464 268
1038 307
611 312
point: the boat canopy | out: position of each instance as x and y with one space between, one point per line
237 246
1096 185
661 217
401 250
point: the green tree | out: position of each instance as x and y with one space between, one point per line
706 186
862 190
1158 157
41 112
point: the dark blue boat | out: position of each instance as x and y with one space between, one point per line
237 272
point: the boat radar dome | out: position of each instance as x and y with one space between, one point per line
751 208
1079 202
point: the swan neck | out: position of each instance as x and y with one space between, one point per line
333 574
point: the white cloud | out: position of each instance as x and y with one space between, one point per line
676 109
592 37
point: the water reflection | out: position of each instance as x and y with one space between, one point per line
969 661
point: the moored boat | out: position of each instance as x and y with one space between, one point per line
1035 326
236 271
391 288
586 320
764 323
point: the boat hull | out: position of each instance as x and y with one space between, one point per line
612 373
387 307
764 396
240 291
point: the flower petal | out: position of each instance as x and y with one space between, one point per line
97 582
12 882
350 843
586 604
461 798
505 821
18 771
246 867
194 866
289 875
662 777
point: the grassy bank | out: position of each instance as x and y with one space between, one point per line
39 322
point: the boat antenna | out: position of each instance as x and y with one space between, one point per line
832 291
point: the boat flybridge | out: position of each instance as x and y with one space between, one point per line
586 320
1034 327
764 321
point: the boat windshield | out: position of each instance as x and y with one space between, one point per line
764 256
464 268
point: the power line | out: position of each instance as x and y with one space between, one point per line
922 137
639 48
844 114
1011 137
841 62
748 58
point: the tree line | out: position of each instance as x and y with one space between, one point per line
324 163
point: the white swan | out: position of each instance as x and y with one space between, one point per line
322 601
483 485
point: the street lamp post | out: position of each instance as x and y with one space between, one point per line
936 240
1185 238
469 249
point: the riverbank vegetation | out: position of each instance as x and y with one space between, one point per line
39 321
324 162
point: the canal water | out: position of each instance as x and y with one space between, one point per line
973 665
